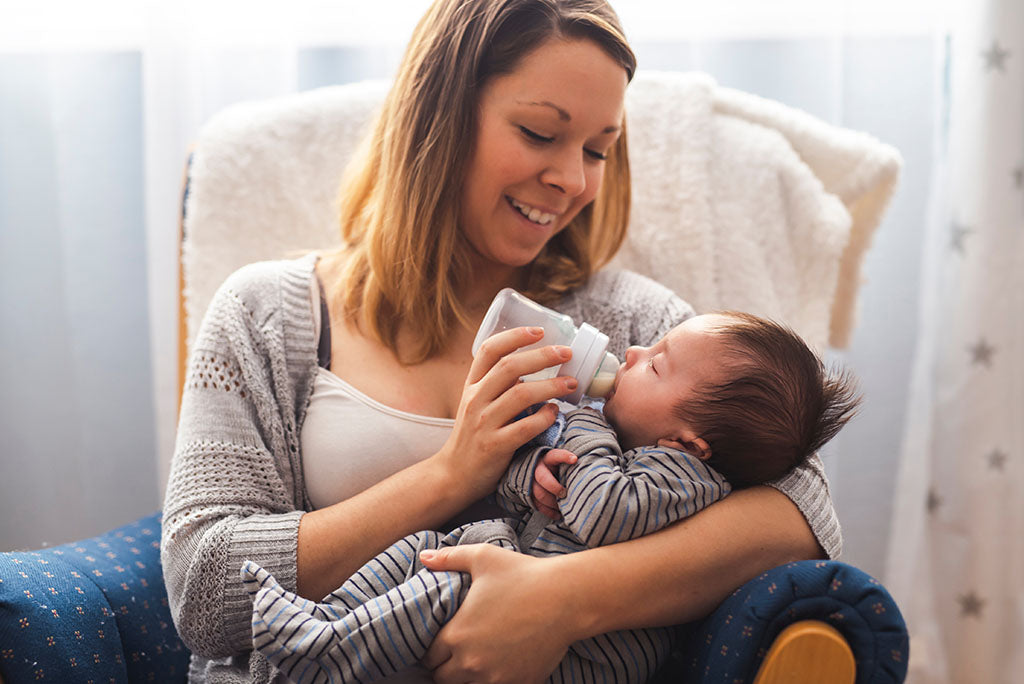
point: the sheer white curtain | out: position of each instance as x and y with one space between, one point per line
100 101
957 557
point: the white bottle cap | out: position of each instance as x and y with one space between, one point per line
588 352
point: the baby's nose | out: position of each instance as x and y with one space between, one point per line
632 354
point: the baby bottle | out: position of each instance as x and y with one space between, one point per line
591 364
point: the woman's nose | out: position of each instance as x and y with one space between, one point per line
567 174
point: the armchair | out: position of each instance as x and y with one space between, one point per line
768 210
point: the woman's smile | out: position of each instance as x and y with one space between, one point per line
533 214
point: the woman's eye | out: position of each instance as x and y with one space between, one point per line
535 137
651 364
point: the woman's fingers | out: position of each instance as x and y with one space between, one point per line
498 346
523 395
498 365
509 627
504 376
436 656
523 430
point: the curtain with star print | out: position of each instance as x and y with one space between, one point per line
956 560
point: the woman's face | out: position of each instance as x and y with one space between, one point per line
541 134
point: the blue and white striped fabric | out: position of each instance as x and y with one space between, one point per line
384 618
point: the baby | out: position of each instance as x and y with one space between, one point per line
723 401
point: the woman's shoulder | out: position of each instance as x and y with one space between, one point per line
261 275
621 292
263 291
262 283
629 307
618 287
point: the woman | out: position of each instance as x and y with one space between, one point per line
499 160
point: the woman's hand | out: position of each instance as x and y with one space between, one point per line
547 490
485 435
512 607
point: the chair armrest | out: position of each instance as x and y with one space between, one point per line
93 609
731 643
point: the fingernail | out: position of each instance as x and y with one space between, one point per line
564 352
561 494
426 555
571 383
536 330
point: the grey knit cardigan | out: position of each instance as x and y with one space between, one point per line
236 489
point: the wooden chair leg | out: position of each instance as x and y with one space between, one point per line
808 652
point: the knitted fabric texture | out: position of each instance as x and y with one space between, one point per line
236 487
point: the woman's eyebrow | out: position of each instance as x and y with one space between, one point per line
562 114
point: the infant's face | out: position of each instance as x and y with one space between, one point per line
654 379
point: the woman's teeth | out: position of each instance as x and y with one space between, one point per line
532 213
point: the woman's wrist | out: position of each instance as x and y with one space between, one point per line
575 595
442 475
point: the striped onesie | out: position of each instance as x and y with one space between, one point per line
384 618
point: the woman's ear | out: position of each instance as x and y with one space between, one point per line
694 446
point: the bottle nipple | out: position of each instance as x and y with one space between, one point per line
604 379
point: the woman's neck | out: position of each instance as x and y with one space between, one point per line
484 284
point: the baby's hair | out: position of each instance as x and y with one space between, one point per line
778 406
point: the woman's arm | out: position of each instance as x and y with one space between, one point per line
676 575
336 541
231 495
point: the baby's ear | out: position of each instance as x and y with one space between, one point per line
695 446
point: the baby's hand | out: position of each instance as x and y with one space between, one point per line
547 490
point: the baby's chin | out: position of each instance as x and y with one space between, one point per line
620 436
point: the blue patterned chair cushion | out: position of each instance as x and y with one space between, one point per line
731 643
90 611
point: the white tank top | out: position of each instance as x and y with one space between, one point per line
351 441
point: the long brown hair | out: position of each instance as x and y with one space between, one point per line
405 256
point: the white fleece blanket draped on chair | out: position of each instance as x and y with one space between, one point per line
738 202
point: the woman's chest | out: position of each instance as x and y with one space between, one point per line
430 388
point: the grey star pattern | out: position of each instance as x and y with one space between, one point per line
971 604
995 57
997 459
981 353
934 501
957 234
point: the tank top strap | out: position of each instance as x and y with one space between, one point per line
323 350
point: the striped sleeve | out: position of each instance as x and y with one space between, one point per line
613 497
514 490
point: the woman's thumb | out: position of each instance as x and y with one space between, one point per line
452 558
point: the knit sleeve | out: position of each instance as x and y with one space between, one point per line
229 497
807 487
515 488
